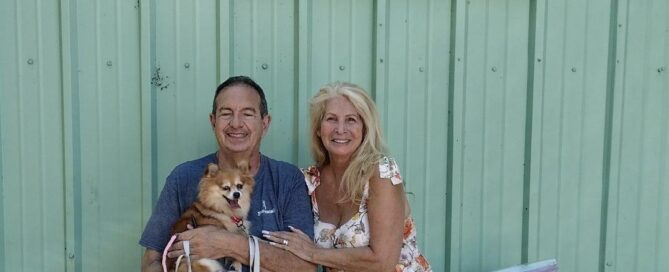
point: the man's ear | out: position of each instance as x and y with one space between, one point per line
212 120
265 123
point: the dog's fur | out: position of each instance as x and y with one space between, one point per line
223 195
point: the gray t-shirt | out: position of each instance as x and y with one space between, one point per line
279 200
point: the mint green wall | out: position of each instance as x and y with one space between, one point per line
33 215
525 130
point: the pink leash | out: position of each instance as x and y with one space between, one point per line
167 248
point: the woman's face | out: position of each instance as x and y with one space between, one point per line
341 128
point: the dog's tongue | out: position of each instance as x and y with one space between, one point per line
233 203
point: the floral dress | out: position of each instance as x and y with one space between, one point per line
355 232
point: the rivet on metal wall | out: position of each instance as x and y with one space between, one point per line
494 69
30 61
538 60
381 60
660 70
264 66
620 25
573 69
186 65
609 263
342 68
71 256
109 63
421 69
380 25
458 59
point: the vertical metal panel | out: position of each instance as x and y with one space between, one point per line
489 128
340 42
638 220
336 43
413 107
110 135
32 171
184 80
264 48
568 133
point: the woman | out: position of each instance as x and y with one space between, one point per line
362 217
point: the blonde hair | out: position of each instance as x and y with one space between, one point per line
366 157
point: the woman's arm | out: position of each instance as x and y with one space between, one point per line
385 208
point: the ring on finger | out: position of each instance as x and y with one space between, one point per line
285 242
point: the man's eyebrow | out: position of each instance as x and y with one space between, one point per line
224 108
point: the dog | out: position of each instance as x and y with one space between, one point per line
223 200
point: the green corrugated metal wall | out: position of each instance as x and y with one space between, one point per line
525 130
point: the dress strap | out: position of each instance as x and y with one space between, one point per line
388 169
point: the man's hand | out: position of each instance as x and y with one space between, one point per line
205 242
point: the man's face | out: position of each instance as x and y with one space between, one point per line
237 122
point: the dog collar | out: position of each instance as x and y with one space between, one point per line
238 221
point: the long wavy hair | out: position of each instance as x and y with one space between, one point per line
372 148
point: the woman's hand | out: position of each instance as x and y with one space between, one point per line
296 242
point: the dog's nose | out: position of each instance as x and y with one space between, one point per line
236 195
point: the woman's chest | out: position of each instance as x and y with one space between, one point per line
330 210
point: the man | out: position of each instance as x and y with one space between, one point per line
239 119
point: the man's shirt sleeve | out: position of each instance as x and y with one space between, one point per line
297 211
158 229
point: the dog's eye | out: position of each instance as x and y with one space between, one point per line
239 186
226 188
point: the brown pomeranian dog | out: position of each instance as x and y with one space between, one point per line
223 200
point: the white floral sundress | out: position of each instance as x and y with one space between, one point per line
355 232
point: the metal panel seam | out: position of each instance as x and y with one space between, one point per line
217 21
303 79
41 143
450 139
608 130
3 263
529 107
379 51
71 145
147 107
426 123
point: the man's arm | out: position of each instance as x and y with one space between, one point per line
151 262
158 229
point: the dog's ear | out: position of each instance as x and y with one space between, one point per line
243 166
211 170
